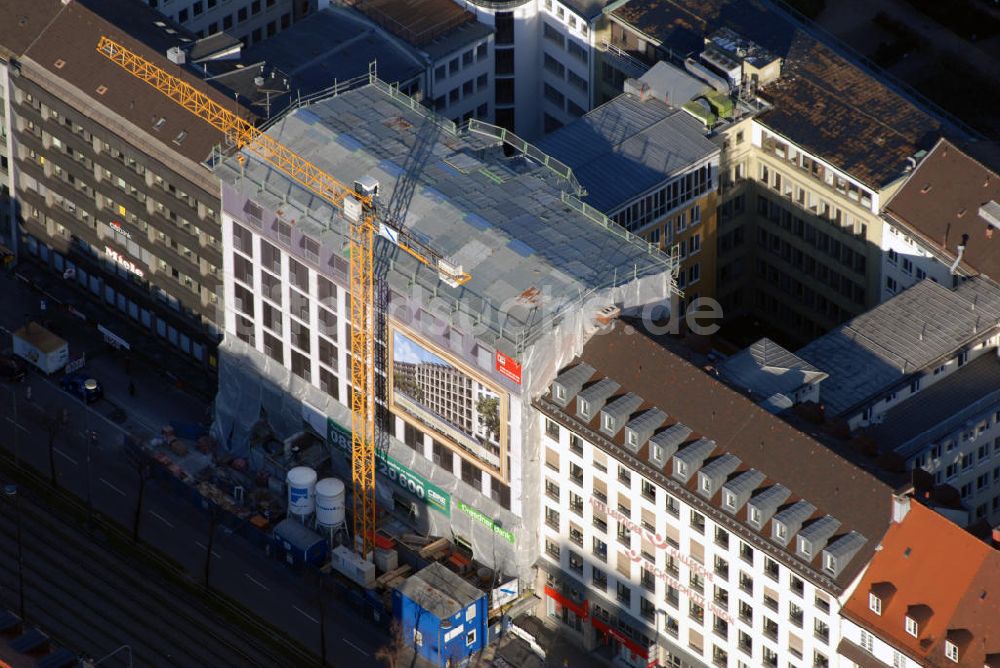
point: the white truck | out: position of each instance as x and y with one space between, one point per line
40 347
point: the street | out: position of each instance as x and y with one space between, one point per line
169 524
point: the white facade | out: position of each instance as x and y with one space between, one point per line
878 648
460 84
248 20
905 261
8 229
544 73
712 596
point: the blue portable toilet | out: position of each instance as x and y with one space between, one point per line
443 617
299 544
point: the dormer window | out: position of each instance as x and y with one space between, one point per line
875 604
680 467
911 626
560 392
730 500
609 423
584 407
754 515
656 452
632 437
830 563
951 650
706 484
780 531
804 549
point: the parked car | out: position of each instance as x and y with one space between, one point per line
82 386
11 369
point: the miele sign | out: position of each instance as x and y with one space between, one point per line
661 543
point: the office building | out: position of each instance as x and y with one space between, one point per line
250 21
647 164
686 526
110 178
541 268
941 224
928 600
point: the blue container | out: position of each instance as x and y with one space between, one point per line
298 544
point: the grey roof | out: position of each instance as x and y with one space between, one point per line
672 84
875 351
765 369
644 425
696 452
464 35
820 530
772 497
672 437
941 408
723 465
847 545
623 406
599 391
588 9
336 44
297 534
794 515
745 482
505 220
627 146
439 591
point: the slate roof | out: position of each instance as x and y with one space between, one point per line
877 350
940 204
932 562
941 408
503 219
336 44
734 424
765 369
626 146
822 102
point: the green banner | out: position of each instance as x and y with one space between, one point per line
486 521
412 482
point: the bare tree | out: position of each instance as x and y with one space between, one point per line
213 523
54 427
392 652
136 456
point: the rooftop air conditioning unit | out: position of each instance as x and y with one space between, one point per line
176 55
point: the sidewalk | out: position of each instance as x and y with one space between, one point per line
68 298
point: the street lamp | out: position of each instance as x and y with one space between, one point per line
10 491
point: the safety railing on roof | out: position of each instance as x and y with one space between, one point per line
394 92
558 168
671 260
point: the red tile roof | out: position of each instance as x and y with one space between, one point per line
940 575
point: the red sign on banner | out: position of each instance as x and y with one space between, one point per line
508 367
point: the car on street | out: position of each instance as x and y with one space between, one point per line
11 369
82 386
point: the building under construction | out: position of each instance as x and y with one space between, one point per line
544 269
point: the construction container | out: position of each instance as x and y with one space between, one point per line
298 544
353 566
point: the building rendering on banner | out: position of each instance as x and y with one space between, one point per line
685 525
460 364
113 193
928 599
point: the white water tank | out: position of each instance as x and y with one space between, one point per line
301 483
330 496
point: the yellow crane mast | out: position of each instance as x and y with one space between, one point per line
360 210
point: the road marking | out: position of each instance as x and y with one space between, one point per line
161 518
305 614
22 428
113 487
205 547
250 577
63 454
355 646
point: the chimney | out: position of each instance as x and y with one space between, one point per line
900 507
607 315
996 536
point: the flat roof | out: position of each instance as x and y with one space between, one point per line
335 45
416 21
627 146
66 47
439 591
507 220
874 352
734 424
941 408
940 204
822 101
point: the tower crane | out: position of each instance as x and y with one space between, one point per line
359 207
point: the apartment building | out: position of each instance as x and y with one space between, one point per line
544 62
684 525
921 604
650 168
111 180
8 230
940 224
917 378
508 220
250 21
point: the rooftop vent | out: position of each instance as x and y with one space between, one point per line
176 55
159 123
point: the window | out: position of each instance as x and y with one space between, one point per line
600 579
951 650
552 429
470 637
771 568
624 595
600 549
698 522
911 627
746 553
